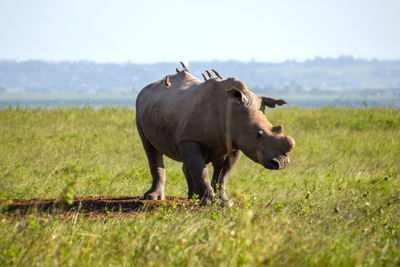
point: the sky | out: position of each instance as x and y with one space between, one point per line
149 31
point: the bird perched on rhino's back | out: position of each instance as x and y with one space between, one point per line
198 122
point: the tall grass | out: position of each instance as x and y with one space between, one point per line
337 204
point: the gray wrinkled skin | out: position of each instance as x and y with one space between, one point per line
198 122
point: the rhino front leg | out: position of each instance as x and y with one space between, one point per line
189 181
193 161
222 169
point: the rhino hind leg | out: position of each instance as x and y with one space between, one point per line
193 160
189 181
222 169
157 170
158 173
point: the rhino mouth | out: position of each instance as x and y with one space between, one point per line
277 163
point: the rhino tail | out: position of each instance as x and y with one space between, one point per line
184 67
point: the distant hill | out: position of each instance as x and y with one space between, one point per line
319 74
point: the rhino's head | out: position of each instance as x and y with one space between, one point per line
251 132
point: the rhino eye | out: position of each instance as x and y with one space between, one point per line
260 134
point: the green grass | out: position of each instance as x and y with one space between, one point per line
337 204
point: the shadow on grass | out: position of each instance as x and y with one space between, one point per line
91 205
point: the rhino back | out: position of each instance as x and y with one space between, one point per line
187 111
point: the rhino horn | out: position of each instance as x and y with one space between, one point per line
177 70
209 74
184 67
167 83
204 77
216 73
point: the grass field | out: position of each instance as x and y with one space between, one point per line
337 204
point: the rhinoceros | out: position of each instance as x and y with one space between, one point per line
199 122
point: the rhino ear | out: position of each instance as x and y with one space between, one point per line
236 94
271 103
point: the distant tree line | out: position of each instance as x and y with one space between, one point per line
319 74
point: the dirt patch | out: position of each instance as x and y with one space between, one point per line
92 205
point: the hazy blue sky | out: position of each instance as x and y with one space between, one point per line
150 31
